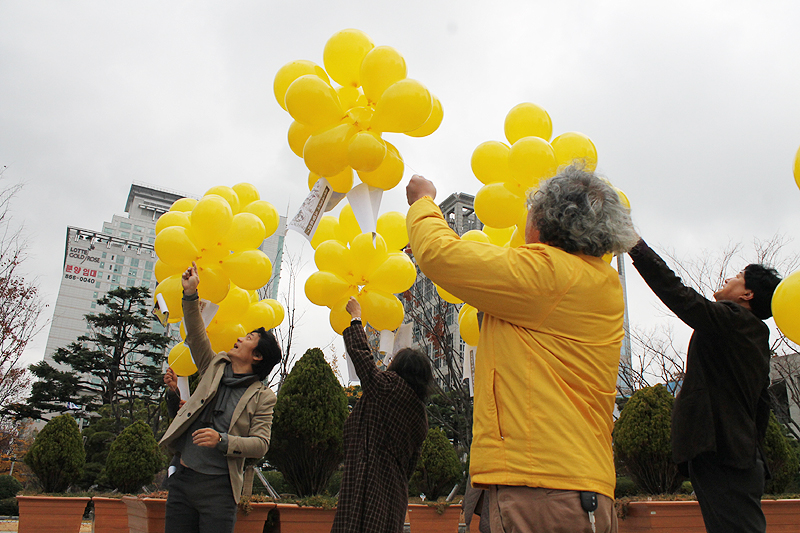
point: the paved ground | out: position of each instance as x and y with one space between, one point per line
11 525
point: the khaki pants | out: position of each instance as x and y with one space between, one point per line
525 509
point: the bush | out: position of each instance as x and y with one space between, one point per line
9 507
782 459
9 487
642 440
57 456
134 458
308 425
625 487
438 467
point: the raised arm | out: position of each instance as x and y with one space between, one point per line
691 307
196 337
355 342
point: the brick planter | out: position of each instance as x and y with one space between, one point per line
253 522
43 514
783 516
426 519
296 519
145 515
110 515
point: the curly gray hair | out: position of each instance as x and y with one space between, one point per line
579 212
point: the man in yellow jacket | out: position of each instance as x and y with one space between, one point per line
546 366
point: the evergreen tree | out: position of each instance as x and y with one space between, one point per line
134 458
114 365
308 425
438 467
57 456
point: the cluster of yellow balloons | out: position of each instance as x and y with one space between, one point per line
509 171
221 234
370 266
337 130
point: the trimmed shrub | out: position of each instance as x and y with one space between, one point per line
782 460
134 458
9 487
625 487
642 440
308 425
9 507
438 467
57 456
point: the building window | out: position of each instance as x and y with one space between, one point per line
124 225
149 265
147 275
124 234
114 279
150 240
131 282
120 259
103 255
134 262
94 305
132 273
138 228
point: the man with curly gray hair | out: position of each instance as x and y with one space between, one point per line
551 334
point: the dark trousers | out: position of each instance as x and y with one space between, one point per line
200 503
730 498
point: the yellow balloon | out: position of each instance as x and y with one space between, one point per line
526 120
531 159
247 194
247 232
395 275
180 360
325 153
183 204
172 291
785 305
214 284
404 106
174 247
366 151
392 227
433 121
517 238
572 146
468 325
497 206
343 54
212 255
298 135
259 315
348 96
382 310
498 236
348 226
341 182
623 198
490 162
277 308
313 102
446 296
360 117
228 193
476 235
224 335
233 307
163 270
250 269
333 256
381 67
339 317
797 168
173 218
290 72
266 212
254 298
389 173
211 219
369 252
327 229
326 288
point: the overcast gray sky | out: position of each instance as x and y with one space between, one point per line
694 107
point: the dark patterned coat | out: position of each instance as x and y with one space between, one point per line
382 440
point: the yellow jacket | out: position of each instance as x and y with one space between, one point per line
546 368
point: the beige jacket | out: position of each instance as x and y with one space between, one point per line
249 432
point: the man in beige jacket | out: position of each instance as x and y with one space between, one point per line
227 419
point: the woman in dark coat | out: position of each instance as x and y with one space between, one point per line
382 436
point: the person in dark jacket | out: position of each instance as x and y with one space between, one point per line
382 436
720 414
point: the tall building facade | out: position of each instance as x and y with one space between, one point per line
122 254
436 322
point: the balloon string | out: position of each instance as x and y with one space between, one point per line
412 168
